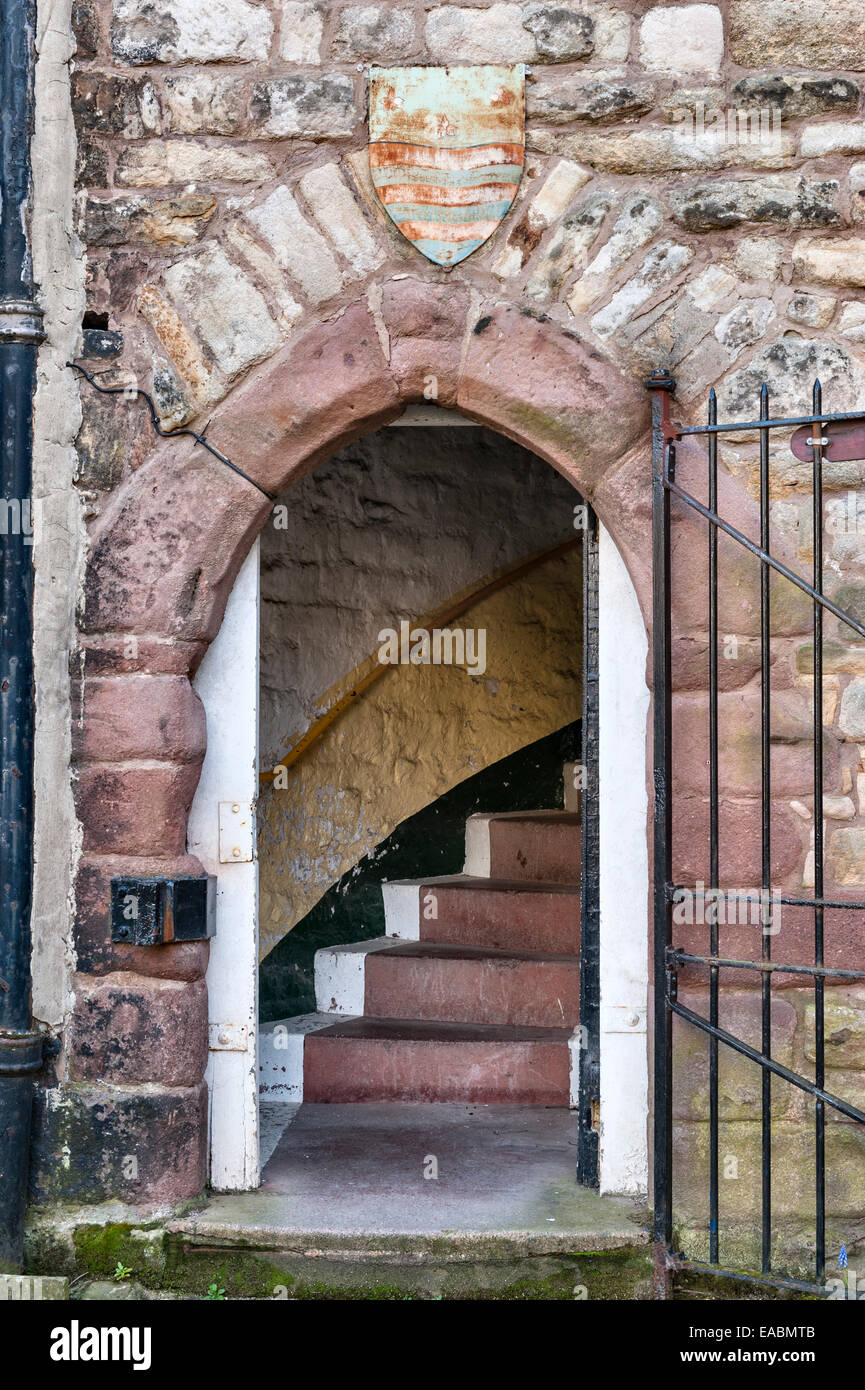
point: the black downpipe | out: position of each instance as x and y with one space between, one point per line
20 334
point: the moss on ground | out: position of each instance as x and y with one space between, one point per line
618 1274
158 1260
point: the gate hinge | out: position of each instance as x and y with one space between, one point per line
236 832
228 1037
672 974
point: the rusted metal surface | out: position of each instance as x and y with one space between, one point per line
841 443
151 911
446 153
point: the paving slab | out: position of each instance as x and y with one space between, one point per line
361 1177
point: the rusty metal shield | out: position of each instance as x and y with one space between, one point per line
446 152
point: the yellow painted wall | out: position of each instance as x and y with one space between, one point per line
417 732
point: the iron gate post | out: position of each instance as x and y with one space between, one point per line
588 1132
20 334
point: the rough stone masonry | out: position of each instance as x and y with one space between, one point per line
242 270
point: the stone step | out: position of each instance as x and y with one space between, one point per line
406 1060
348 1207
472 984
283 1043
503 914
280 1056
539 846
384 978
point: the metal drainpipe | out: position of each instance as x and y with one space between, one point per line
20 334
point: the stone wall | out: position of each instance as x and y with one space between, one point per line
226 195
792 930
389 529
238 253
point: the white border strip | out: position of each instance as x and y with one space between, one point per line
227 682
624 878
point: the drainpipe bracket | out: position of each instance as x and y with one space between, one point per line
20 321
21 1054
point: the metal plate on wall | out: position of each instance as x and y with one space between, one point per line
160 911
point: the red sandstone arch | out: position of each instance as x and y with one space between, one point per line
168 547
164 557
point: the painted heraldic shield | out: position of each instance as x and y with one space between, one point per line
446 152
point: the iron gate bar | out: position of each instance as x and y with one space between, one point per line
817 701
766 833
784 899
674 431
714 881
768 1063
668 960
777 1281
677 957
756 550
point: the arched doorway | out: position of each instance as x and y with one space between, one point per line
228 687
168 549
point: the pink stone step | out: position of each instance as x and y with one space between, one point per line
396 1059
507 915
472 984
540 846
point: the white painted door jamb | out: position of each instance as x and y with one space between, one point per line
222 835
624 877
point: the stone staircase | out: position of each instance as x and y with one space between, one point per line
471 996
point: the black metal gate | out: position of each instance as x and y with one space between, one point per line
840 437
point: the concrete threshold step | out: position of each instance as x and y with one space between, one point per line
356 1180
405 1059
506 914
449 982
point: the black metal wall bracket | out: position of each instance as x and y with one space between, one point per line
162 911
